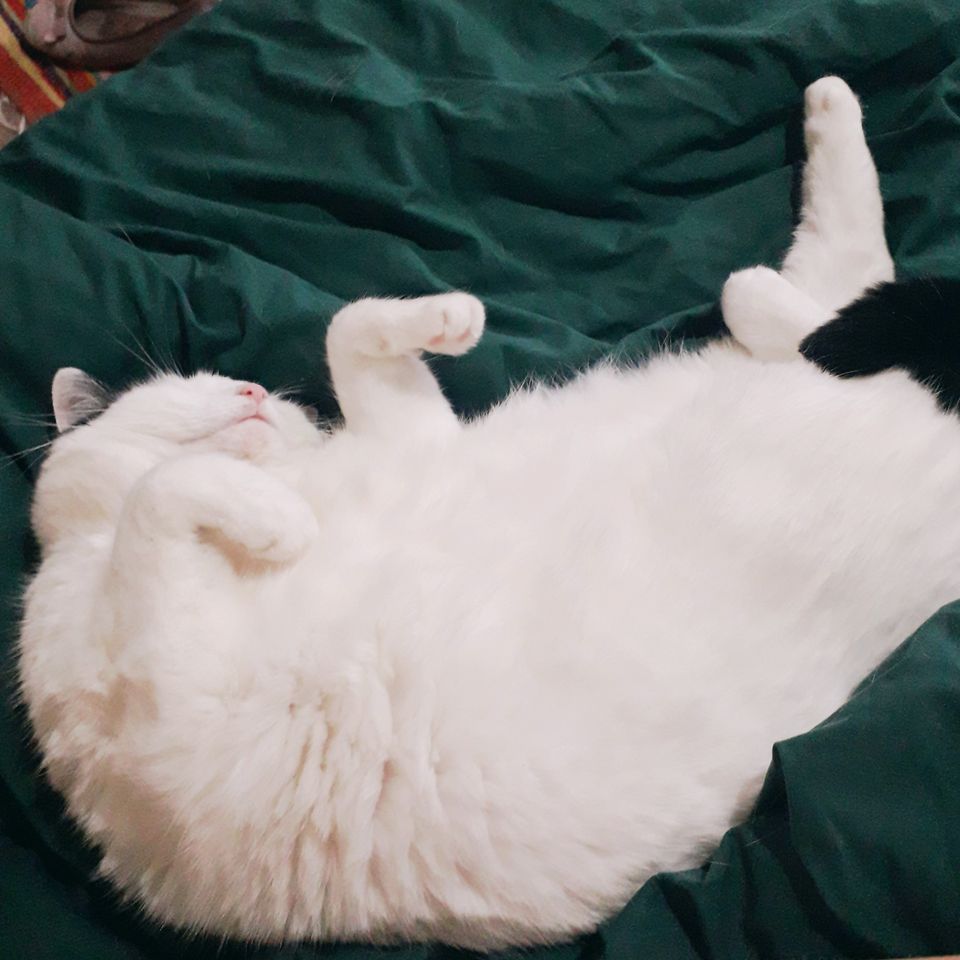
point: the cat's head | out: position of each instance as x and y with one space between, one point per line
106 444
175 414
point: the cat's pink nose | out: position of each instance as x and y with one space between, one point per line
252 390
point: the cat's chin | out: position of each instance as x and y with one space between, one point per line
250 439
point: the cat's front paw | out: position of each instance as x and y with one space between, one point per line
265 521
449 323
280 532
228 503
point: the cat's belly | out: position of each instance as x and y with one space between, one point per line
732 516
598 614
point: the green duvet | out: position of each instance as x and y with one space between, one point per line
592 170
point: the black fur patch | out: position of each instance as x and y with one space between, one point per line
912 325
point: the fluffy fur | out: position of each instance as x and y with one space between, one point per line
477 681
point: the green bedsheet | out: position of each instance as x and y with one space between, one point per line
592 170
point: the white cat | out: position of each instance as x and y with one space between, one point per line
477 681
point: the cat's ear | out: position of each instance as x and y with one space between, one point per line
76 397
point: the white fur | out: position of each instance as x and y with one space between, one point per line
475 682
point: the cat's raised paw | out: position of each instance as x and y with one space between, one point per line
451 323
832 108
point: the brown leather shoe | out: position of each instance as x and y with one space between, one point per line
105 34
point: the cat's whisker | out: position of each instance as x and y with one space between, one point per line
153 364
137 355
289 391
30 419
27 450
16 459
145 357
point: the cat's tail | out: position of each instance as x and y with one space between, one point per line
912 325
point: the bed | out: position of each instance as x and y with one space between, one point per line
593 171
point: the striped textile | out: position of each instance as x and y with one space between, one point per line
34 85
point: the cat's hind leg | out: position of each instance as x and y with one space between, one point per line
374 352
839 248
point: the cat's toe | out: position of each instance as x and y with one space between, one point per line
282 532
832 109
457 320
290 545
831 95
